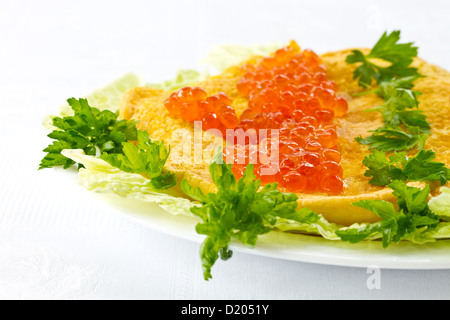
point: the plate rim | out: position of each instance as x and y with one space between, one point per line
318 250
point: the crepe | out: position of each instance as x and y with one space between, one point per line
146 106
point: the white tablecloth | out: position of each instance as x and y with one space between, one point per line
55 245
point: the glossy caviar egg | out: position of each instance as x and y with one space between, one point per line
197 94
311 157
190 111
307 168
341 108
229 119
331 168
210 121
331 155
313 145
247 114
332 184
295 181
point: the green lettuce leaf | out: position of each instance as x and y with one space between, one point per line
99 176
440 204
183 78
222 57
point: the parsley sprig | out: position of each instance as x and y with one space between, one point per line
387 89
405 126
394 139
401 107
102 133
412 217
88 129
240 210
147 157
398 56
384 170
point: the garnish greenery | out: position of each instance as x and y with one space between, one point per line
394 139
240 210
88 129
387 139
101 132
405 126
146 157
399 166
386 89
412 217
401 107
398 56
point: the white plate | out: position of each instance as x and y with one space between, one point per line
297 247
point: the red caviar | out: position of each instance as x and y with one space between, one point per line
193 104
289 91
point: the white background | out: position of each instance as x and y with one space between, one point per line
57 242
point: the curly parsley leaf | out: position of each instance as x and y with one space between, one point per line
382 170
387 89
412 216
147 158
240 210
406 126
421 167
398 56
394 139
402 109
88 129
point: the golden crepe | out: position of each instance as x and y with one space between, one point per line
146 106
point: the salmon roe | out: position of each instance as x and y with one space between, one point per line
193 104
289 91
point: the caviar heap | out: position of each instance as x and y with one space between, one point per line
289 92
193 104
